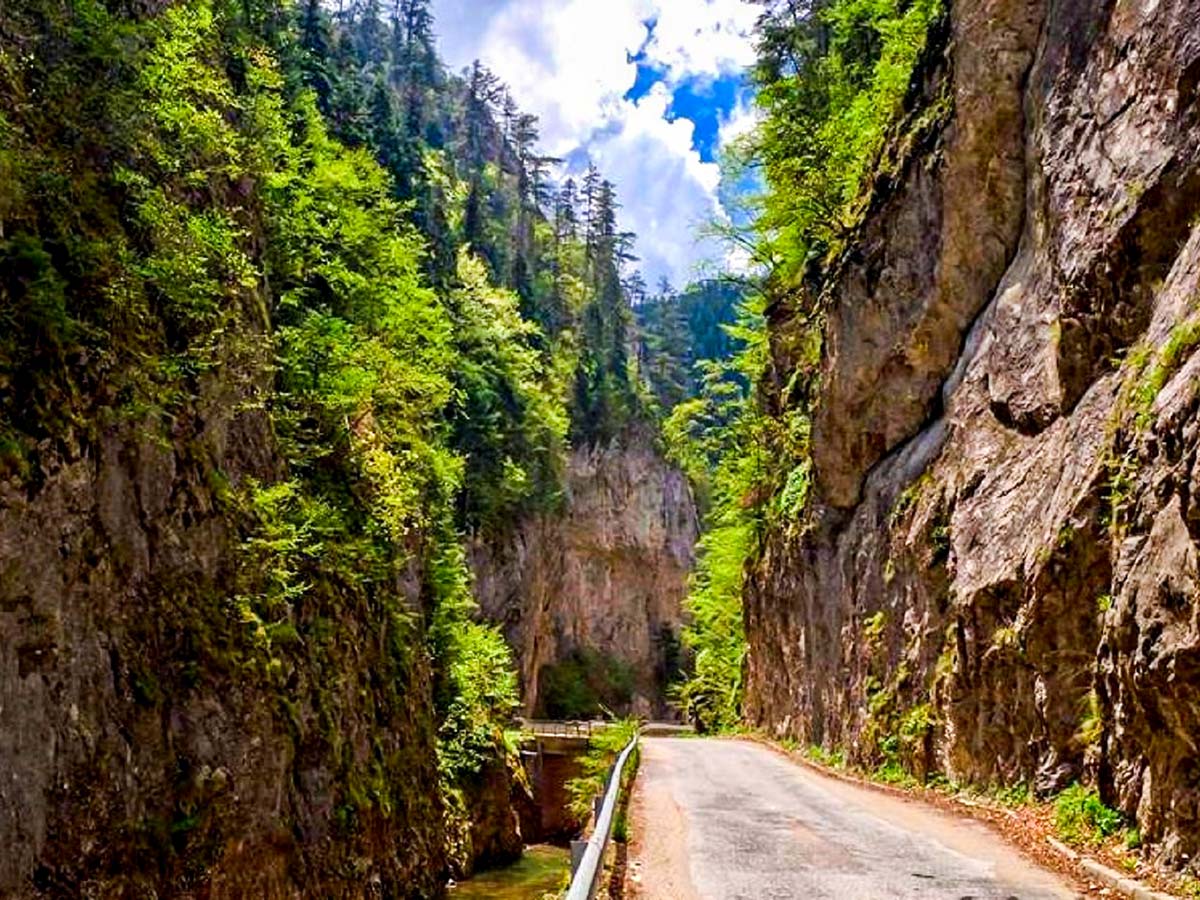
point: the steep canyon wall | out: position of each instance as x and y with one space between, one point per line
605 576
148 743
998 575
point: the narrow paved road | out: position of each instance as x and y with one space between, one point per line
731 820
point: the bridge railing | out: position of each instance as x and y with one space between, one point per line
586 878
546 728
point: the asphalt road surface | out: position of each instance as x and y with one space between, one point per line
731 820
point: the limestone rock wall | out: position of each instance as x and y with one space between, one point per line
608 573
144 749
999 577
493 831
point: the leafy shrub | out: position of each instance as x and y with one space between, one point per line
1082 818
482 687
477 694
711 696
1013 796
891 770
596 765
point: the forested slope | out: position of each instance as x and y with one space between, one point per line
287 309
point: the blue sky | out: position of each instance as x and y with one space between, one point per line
648 89
707 101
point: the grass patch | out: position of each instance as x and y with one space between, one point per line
621 830
1012 796
892 772
1183 339
833 759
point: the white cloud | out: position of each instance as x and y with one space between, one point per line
703 37
567 61
667 192
743 120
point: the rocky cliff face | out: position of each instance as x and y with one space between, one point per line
999 576
145 747
607 575
492 830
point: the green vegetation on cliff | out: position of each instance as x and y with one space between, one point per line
716 439
298 222
832 77
832 80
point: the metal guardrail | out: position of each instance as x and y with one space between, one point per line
585 880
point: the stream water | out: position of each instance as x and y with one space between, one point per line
542 870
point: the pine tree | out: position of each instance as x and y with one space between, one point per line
566 221
369 35
348 102
590 195
316 41
414 56
385 133
484 91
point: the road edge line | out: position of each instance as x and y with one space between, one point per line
1114 880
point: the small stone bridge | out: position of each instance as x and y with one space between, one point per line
560 737
551 755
